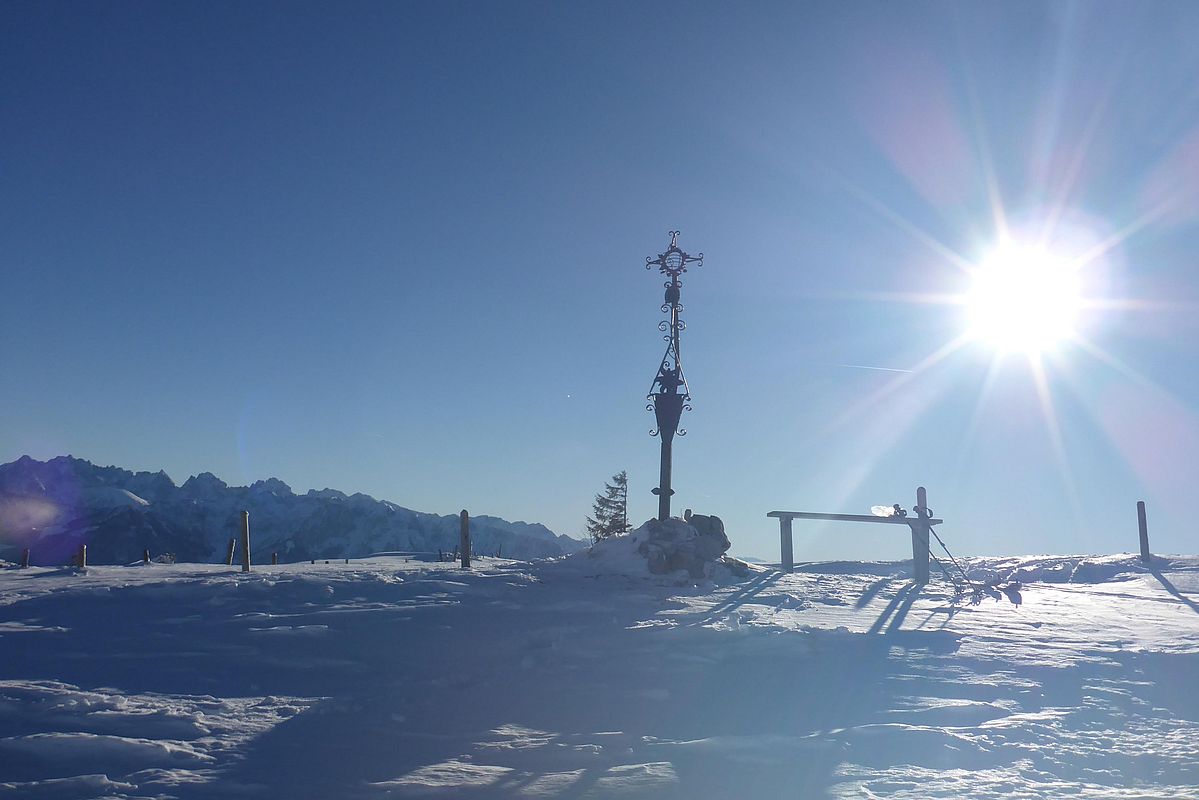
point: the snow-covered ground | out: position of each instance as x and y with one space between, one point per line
586 677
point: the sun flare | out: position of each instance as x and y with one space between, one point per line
1024 299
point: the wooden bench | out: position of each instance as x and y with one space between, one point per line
919 524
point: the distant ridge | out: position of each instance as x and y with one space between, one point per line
53 506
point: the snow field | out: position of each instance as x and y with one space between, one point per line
585 677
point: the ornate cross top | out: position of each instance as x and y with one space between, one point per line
674 261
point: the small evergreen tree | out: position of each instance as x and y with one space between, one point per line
610 514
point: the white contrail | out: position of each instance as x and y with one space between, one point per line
880 369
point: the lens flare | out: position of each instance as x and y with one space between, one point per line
1024 299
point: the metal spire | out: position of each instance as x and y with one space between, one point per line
667 401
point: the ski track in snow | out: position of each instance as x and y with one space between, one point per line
587 678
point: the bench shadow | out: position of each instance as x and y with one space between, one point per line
742 596
871 591
1172 589
893 616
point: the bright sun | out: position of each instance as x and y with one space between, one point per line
1024 299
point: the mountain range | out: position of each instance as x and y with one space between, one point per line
53 506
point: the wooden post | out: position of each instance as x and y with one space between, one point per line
1144 526
245 541
274 559
146 556
920 537
232 550
788 557
83 556
464 539
25 558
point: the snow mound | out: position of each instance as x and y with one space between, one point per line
671 548
616 555
1062 569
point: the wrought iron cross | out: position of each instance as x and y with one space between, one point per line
669 393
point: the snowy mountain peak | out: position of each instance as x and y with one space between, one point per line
153 486
272 486
203 485
327 494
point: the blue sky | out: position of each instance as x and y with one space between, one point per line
398 248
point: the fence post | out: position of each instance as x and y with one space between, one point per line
25 558
920 537
83 556
464 539
274 559
787 558
232 550
1144 527
245 541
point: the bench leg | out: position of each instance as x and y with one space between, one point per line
788 558
920 536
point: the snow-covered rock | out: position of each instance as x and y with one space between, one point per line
711 540
673 545
660 548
